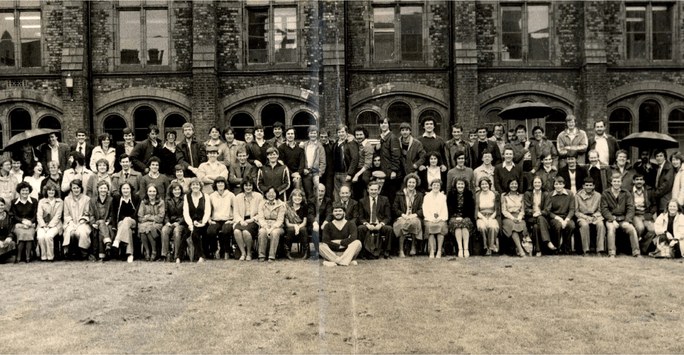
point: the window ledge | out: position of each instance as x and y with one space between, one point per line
140 68
640 65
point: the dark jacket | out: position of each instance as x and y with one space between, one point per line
236 177
142 153
116 202
612 147
413 157
351 156
620 208
399 207
384 213
390 154
87 154
196 149
528 202
650 204
468 209
580 175
63 153
477 154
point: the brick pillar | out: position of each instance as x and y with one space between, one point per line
594 77
467 108
332 102
204 71
76 114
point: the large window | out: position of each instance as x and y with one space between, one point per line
525 33
272 34
649 116
19 120
175 123
555 124
240 122
301 123
143 117
398 33
20 34
398 113
271 114
50 122
143 33
368 120
620 123
114 125
649 31
676 124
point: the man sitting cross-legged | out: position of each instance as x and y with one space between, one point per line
340 246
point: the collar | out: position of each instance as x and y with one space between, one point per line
597 166
27 201
512 165
427 135
556 193
553 167
132 144
572 131
384 135
584 195
409 140
635 191
604 136
125 199
292 146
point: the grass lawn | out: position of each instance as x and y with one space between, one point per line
413 305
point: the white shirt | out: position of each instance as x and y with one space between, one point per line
435 203
572 174
602 149
310 154
54 154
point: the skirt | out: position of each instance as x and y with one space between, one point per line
463 223
152 228
252 228
509 226
24 234
404 226
435 228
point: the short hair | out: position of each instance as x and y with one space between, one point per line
426 119
102 161
456 126
312 128
289 129
461 179
81 130
519 127
538 128
588 180
278 124
214 127
78 157
484 179
571 154
621 151
677 155
52 186
240 150
482 128
412 176
250 131
127 130
460 153
657 151
508 147
499 125
592 151
342 126
247 181
616 175
152 128
102 182
570 118
338 205
272 150
124 156
102 137
433 154
511 180
599 121
220 179
635 176
558 179
52 163
171 131
76 182
324 130
228 129
188 125
361 129
258 127
23 185
373 183
153 160
195 180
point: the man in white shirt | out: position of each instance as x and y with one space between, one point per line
605 144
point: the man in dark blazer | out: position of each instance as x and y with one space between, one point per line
237 173
664 173
145 150
481 145
350 206
374 221
345 158
125 147
190 153
82 145
327 177
605 144
573 174
55 150
413 156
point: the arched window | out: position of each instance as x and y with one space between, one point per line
368 120
271 114
1 142
620 123
491 119
240 122
649 116
49 122
19 120
398 113
143 117
301 123
114 125
675 124
438 122
174 123
555 124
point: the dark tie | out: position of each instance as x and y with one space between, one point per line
80 149
372 211
242 171
126 176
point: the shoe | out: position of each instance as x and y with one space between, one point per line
611 256
248 257
538 253
354 262
439 255
287 255
461 254
154 257
488 252
386 255
226 256
242 258
271 260
217 255
201 260
412 252
329 263
261 260
432 256
550 246
130 258
636 255
466 254
401 254
178 261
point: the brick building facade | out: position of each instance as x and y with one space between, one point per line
133 63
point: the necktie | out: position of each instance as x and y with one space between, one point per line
126 176
80 149
372 211
242 171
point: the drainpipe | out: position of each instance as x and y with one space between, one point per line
452 68
347 49
89 72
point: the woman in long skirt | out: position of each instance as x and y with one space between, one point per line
23 211
49 217
150 219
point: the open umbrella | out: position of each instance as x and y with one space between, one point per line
649 140
31 136
526 110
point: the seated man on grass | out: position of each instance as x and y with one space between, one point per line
340 246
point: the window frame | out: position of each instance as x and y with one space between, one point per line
142 8
398 58
270 5
16 9
525 34
649 32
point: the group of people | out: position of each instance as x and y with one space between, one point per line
356 196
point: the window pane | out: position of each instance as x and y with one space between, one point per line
7 39
649 116
620 123
28 3
511 29
636 32
30 26
662 32
538 32
369 120
676 124
129 37
398 113
555 124
20 120
285 36
157 37
240 123
269 116
301 123
142 119
411 33
383 33
49 122
257 32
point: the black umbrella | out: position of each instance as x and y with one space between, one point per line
526 110
649 140
30 136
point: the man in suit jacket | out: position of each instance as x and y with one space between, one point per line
190 153
82 145
145 150
605 144
56 151
327 176
645 208
573 174
455 145
413 156
345 158
483 144
374 221
126 146
664 173
599 172
240 171
127 174
350 206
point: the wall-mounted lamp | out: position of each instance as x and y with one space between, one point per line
69 83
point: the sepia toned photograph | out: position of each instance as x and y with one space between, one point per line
341 176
